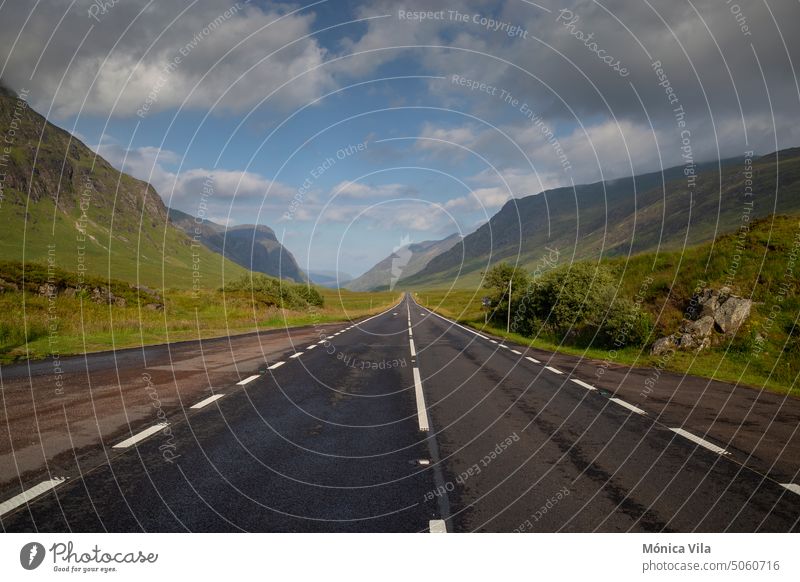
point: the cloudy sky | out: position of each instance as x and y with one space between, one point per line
346 126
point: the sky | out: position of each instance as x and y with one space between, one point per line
348 127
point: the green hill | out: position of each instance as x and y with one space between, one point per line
760 262
621 217
64 204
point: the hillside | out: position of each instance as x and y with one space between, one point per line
63 203
760 263
621 217
403 263
254 247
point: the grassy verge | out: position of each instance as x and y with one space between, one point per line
731 365
35 326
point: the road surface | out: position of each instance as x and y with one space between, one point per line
409 422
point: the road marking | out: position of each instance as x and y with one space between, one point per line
320 342
395 313
461 326
410 333
630 407
30 494
702 442
247 380
422 413
311 347
413 350
505 346
208 401
554 370
793 487
494 342
296 355
516 352
437 526
141 436
584 384
532 360
276 365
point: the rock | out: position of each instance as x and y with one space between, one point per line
70 292
47 290
154 306
701 328
120 302
8 286
732 313
663 345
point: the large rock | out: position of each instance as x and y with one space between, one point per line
664 345
732 313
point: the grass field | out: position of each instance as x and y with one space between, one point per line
35 327
762 265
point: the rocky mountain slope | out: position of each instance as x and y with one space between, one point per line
254 247
404 262
65 206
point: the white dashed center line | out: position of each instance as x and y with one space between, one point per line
584 384
422 413
630 407
247 380
27 496
141 435
700 441
793 487
208 401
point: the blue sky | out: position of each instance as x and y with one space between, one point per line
455 113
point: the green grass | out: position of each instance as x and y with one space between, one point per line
81 326
762 263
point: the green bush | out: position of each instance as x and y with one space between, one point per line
625 324
275 292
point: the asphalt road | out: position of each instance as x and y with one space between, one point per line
334 439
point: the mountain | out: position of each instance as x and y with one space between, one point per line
254 247
62 204
404 262
332 279
662 210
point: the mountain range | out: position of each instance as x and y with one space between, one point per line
253 246
681 206
402 263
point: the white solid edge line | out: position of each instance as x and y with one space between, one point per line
411 345
29 494
296 355
141 435
422 414
535 361
276 365
437 526
700 441
630 407
207 401
793 487
554 370
247 380
584 384
465 328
